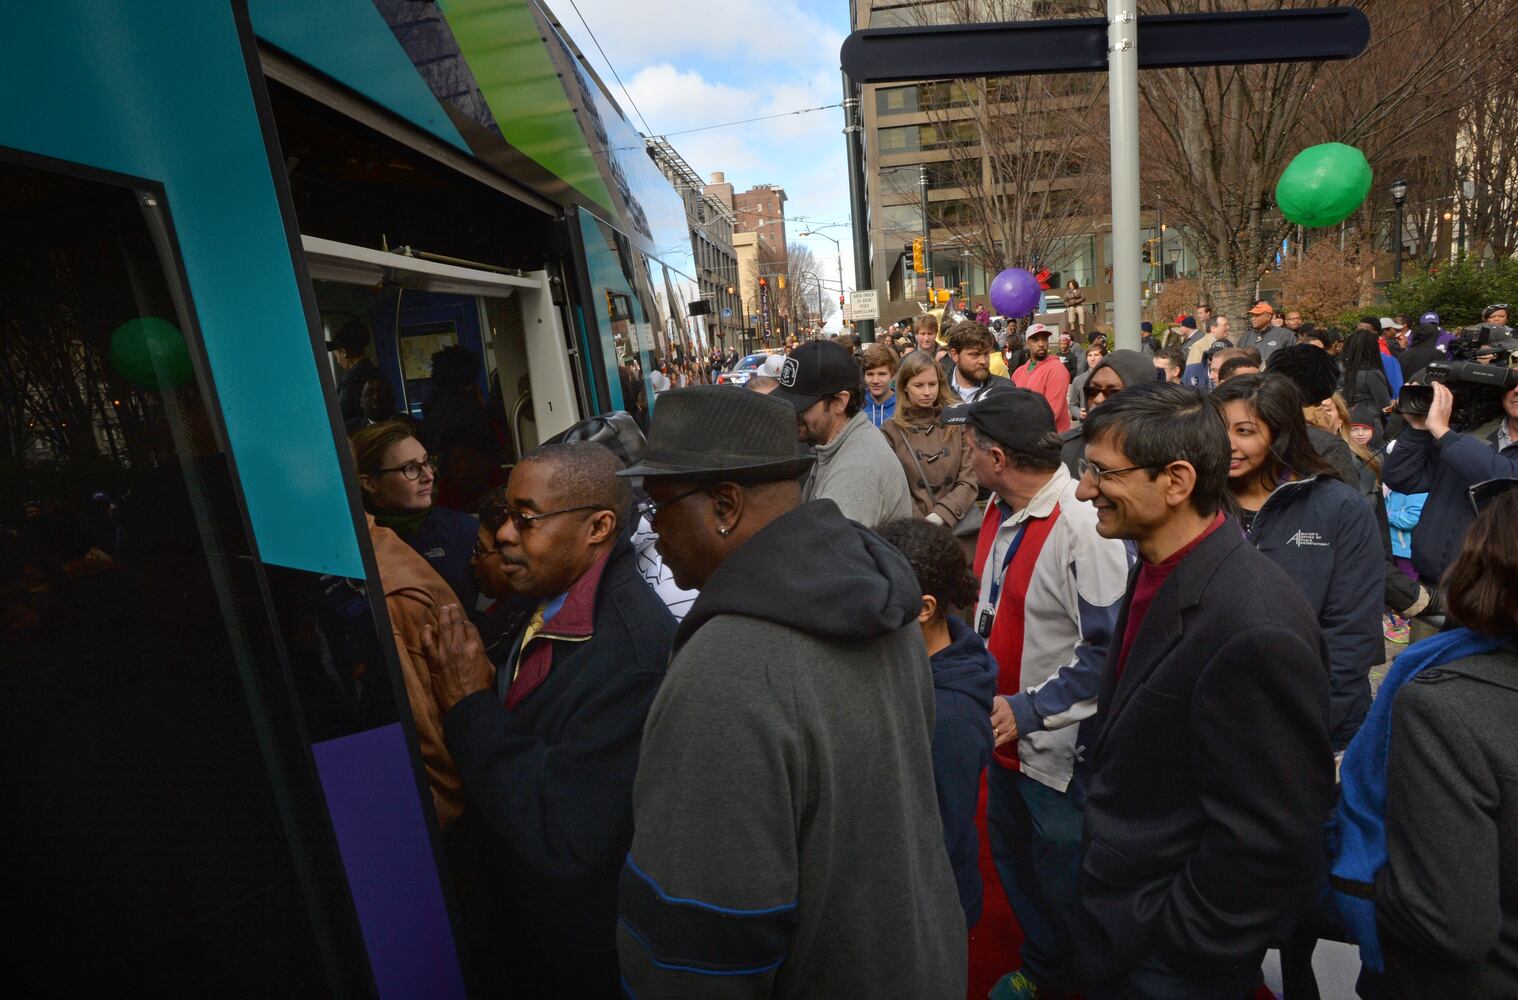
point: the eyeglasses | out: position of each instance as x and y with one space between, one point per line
412 470
650 508
523 521
1100 474
483 551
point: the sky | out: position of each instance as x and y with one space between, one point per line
693 63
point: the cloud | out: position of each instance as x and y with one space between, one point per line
766 33
694 63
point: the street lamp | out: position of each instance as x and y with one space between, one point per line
1399 195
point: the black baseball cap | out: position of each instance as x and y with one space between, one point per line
1018 418
815 370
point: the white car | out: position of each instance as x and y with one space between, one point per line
743 370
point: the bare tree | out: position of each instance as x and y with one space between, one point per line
1023 166
1216 139
809 284
1487 154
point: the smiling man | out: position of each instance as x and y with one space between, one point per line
547 741
1211 773
1045 375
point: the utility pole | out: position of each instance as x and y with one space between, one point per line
858 206
927 235
1122 92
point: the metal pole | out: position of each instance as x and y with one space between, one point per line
858 206
1122 93
927 235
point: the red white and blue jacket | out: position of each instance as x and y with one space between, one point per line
1055 611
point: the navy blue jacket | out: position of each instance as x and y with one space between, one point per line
1444 469
1324 535
549 785
964 682
446 540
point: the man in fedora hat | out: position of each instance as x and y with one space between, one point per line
856 467
787 839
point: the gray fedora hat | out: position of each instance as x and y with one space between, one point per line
721 432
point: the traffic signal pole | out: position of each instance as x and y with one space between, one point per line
853 132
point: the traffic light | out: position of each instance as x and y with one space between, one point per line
840 299
763 282
917 264
782 282
1148 255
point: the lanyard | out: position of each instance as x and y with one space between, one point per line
1012 547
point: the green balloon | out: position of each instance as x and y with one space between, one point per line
1323 185
151 352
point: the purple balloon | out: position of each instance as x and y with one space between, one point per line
1015 292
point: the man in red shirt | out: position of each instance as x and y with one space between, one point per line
1211 773
1045 375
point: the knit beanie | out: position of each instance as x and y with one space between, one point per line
1310 367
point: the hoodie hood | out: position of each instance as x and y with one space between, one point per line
1133 367
817 572
965 665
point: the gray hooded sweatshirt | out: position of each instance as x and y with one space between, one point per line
859 472
787 837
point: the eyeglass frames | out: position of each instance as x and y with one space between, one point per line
412 470
524 521
650 508
1101 475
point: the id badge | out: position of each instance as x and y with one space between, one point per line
983 623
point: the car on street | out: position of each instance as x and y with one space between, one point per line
744 369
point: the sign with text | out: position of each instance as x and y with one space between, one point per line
864 304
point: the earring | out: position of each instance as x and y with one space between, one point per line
724 531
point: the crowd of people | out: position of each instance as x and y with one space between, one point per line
707 710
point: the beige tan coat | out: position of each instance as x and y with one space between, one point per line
945 483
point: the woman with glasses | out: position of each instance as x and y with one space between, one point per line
398 478
937 465
1297 511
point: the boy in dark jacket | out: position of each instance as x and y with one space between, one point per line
964 682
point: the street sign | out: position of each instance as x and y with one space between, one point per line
865 304
1121 43
848 312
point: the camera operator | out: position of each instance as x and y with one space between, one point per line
1432 458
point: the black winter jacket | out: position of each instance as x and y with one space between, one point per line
1444 469
549 783
1324 535
1211 776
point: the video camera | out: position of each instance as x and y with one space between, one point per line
1479 372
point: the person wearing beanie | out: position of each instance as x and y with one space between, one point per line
1146 337
1316 378
1119 370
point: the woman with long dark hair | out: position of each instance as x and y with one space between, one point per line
1318 529
1364 376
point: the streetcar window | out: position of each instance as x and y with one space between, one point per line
149 810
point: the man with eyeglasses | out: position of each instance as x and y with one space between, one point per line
1210 771
1049 592
546 739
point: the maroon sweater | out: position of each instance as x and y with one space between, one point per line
1151 577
